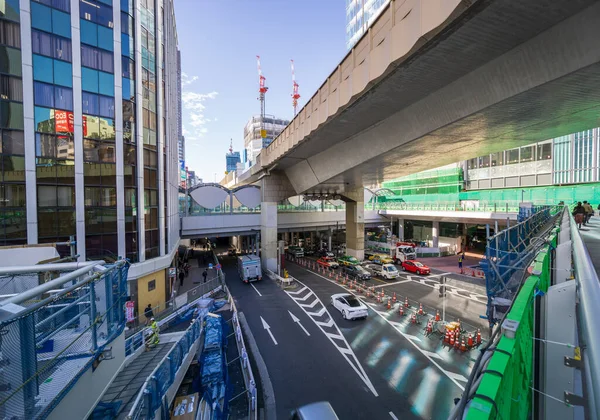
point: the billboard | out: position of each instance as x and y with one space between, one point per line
63 121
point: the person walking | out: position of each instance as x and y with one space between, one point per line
204 274
181 277
148 313
579 214
589 212
461 257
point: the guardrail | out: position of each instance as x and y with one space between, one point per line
150 397
51 334
249 380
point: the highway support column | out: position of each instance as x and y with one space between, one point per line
355 224
435 234
275 187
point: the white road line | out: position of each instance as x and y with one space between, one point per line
309 305
300 299
298 292
436 275
347 351
320 313
259 294
391 284
325 324
297 321
450 375
457 376
336 336
433 355
392 415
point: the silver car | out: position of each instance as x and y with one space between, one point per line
315 411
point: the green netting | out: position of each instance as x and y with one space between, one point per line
439 181
511 392
539 195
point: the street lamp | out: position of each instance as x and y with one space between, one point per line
522 195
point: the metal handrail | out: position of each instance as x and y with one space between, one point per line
588 312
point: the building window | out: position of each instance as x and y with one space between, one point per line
64 5
96 12
512 156
544 151
484 161
151 285
527 154
10 34
50 45
497 159
472 163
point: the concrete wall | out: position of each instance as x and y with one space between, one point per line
154 297
87 391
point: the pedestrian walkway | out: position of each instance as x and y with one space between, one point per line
590 234
199 261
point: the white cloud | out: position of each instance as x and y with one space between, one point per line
194 107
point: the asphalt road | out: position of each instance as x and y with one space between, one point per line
379 368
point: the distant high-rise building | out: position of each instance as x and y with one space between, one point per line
253 141
360 14
232 159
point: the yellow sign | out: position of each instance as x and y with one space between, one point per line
263 134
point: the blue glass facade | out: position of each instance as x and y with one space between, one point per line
360 14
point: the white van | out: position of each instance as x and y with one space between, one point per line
249 268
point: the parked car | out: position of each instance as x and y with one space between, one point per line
415 267
296 251
386 271
348 260
315 411
381 259
357 272
328 262
349 306
324 253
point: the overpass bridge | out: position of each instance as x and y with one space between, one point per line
436 82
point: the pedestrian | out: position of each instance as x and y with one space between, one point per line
148 313
579 214
181 277
460 262
589 211
204 274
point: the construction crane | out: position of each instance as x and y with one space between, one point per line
295 94
262 89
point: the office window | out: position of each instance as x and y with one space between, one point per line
527 153
96 12
11 88
512 156
544 151
10 34
64 5
151 285
484 161
51 45
497 159
472 163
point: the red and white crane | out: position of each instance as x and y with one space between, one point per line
262 89
295 94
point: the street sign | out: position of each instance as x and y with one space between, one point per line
129 306
172 272
210 266
218 266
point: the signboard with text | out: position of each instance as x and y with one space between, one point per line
129 310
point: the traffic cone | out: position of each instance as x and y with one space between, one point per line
429 327
389 304
401 310
447 337
478 339
437 316
413 318
452 339
457 342
463 346
420 309
406 304
394 298
470 341
378 298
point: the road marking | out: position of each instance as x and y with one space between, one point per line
309 305
433 355
268 328
437 275
392 415
337 339
300 299
259 294
396 282
320 313
325 324
298 292
457 376
450 375
297 321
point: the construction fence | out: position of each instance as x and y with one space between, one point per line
49 339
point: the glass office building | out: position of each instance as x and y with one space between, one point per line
360 14
253 141
89 126
231 161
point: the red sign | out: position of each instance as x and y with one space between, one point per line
63 121
129 305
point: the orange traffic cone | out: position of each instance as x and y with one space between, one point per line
401 310
447 337
429 327
478 339
389 304
463 346
452 339
394 298
378 298
406 304
437 316
457 342
420 309
470 341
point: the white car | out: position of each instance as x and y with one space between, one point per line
349 306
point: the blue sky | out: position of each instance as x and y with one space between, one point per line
219 41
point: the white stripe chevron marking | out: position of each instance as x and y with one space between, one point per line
309 305
300 299
432 355
456 376
320 313
298 292
336 336
325 324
